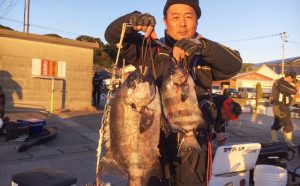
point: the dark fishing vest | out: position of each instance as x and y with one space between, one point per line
282 92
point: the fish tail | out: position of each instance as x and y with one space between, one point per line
135 181
188 144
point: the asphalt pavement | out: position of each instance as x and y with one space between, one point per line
73 151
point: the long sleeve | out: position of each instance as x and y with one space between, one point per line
132 39
224 62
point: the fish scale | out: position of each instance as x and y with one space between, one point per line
180 107
133 132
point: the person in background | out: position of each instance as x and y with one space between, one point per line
2 103
221 110
227 110
282 96
207 61
97 81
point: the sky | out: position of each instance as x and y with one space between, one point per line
253 27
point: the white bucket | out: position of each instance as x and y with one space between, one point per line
265 175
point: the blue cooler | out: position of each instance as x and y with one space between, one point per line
37 126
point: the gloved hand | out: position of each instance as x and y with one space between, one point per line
143 22
277 112
221 138
186 47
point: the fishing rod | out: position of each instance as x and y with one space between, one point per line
155 40
163 45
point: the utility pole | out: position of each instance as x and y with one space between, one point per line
283 37
26 16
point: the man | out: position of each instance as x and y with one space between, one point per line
281 96
206 61
225 109
96 89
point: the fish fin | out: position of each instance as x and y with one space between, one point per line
146 120
109 164
188 146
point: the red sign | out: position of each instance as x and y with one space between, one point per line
48 68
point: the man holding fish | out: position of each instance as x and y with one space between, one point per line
184 64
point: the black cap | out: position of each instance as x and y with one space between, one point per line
193 3
235 108
291 73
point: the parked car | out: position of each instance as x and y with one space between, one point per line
216 90
105 76
266 92
247 92
232 92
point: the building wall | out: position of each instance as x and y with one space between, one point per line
266 71
252 83
23 91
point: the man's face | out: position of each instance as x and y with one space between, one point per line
181 21
289 79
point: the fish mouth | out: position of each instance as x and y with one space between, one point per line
180 76
142 95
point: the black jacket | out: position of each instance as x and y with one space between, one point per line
282 92
217 62
2 102
219 122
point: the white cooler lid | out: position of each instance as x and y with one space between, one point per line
234 158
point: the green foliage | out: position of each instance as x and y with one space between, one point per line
53 35
5 27
246 67
105 55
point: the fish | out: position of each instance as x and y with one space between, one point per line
132 136
180 107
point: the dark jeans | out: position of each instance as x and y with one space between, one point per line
96 97
188 171
285 122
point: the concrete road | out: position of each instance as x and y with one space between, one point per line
74 149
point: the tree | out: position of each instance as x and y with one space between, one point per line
5 27
246 67
104 55
53 35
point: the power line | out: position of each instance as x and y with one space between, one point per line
253 38
43 27
9 9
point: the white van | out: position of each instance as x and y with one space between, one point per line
216 89
247 92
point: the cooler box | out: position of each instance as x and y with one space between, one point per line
232 164
36 126
231 179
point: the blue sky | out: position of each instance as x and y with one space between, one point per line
250 26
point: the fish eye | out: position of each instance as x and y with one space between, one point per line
133 105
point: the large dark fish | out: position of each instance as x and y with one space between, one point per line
132 136
180 107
